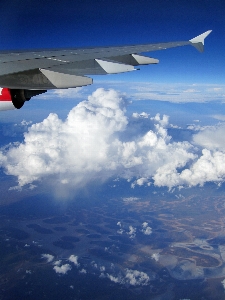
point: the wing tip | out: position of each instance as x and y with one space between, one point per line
198 41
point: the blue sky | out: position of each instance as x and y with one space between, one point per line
186 85
53 24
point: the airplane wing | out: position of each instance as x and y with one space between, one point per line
28 73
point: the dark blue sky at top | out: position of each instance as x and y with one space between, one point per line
53 24
28 24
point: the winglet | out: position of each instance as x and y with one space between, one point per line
198 41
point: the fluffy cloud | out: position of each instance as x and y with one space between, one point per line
97 141
134 277
155 256
48 257
131 277
102 268
63 269
74 151
112 278
147 230
57 262
210 166
120 231
83 271
74 259
223 283
131 232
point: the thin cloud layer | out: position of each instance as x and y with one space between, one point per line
211 138
97 141
170 92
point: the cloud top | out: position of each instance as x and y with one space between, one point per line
97 141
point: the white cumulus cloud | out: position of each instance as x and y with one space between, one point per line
74 259
147 230
134 277
113 278
131 232
48 257
97 141
131 277
102 268
57 262
83 271
119 224
63 269
223 283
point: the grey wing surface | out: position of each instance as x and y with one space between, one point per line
65 68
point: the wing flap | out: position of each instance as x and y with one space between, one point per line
115 64
134 59
113 67
63 81
43 80
144 60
